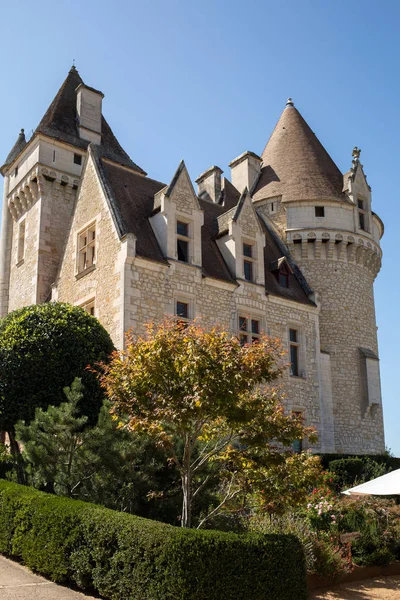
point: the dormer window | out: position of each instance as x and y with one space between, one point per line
182 241
282 271
362 217
283 275
248 261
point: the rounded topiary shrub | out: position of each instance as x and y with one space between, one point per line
42 349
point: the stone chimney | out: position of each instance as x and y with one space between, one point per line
209 184
88 106
245 170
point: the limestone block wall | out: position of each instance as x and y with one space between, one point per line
23 274
103 282
344 290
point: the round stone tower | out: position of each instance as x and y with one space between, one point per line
325 218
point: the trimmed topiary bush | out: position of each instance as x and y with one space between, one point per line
43 348
123 556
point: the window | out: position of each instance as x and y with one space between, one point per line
89 307
361 215
249 330
54 156
297 445
182 309
78 159
294 349
320 211
248 262
21 242
87 248
182 241
16 171
283 275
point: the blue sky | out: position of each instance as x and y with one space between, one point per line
205 81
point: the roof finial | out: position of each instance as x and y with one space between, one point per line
356 153
289 102
73 68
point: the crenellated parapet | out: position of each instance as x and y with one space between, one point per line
37 183
306 245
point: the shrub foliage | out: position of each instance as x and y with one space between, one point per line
42 349
123 556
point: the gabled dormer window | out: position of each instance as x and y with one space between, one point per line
248 261
282 271
182 241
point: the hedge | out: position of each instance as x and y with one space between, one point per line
125 557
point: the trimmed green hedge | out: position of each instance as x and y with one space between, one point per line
126 557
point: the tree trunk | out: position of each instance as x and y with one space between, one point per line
16 454
186 487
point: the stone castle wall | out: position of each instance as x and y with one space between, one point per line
103 282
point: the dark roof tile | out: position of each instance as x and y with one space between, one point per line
296 166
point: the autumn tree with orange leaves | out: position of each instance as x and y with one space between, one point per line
197 393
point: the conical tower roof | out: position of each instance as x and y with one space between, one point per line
15 150
296 166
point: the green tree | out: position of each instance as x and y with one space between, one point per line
105 464
42 349
196 393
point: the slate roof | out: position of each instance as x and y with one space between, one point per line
131 200
15 150
296 166
60 123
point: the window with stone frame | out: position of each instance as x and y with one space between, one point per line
297 445
21 241
249 254
182 241
86 255
249 329
294 352
362 215
183 310
89 306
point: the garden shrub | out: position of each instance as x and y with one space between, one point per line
352 471
123 556
42 349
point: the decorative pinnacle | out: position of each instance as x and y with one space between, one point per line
356 153
289 102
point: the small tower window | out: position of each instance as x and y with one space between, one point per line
294 347
248 262
78 159
21 242
362 217
16 171
54 156
182 241
320 211
182 309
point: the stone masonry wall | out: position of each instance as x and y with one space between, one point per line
347 322
103 282
23 275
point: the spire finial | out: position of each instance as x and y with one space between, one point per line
356 153
289 102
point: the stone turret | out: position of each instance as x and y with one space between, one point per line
41 179
327 223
